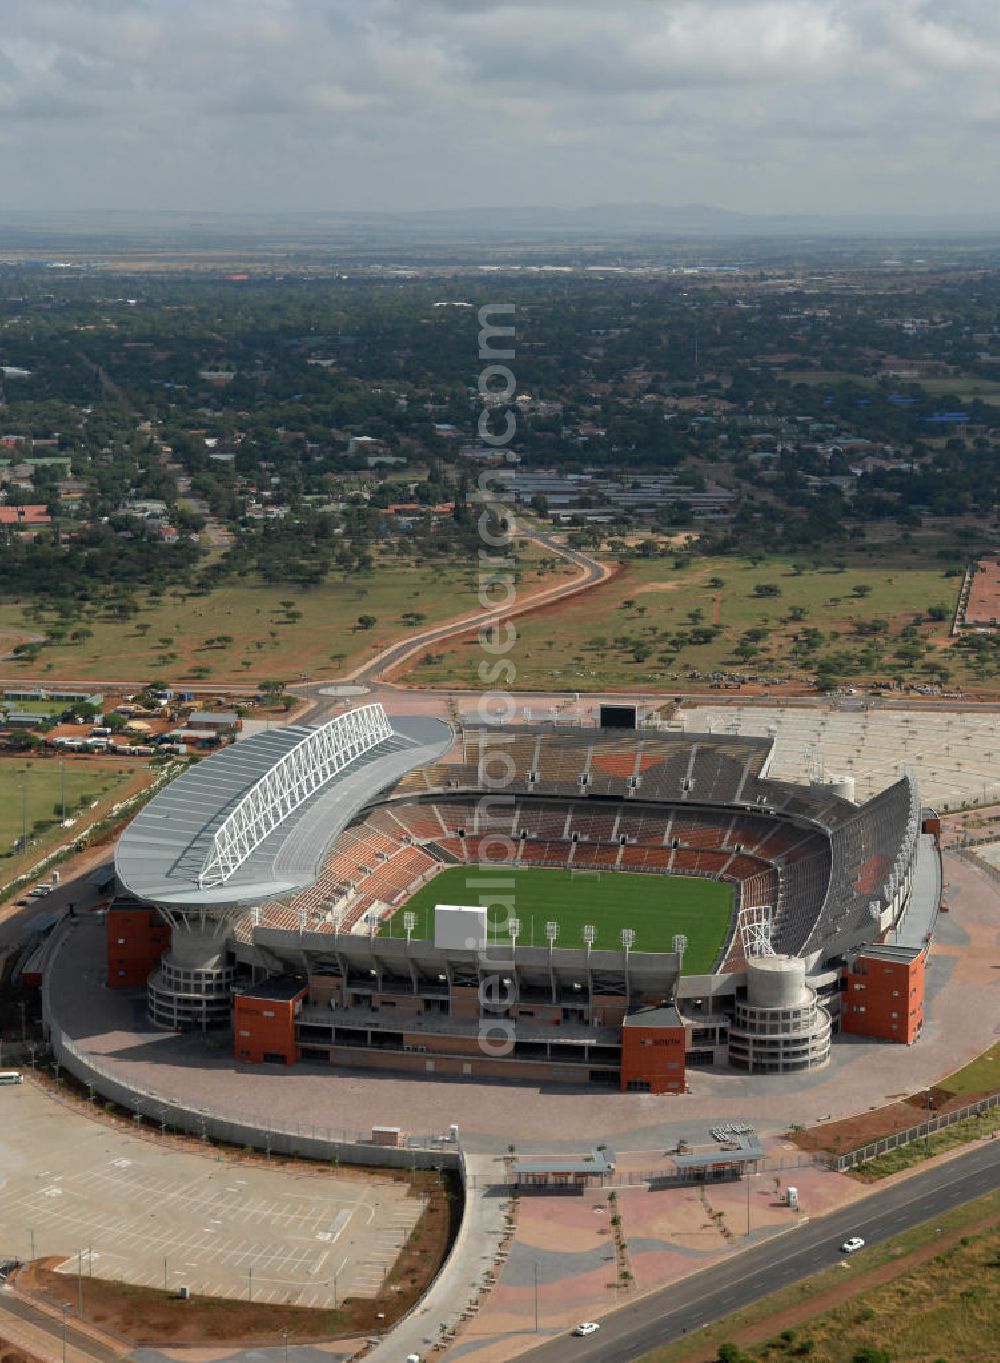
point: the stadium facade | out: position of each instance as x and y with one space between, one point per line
277 862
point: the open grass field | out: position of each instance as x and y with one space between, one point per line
176 637
931 1295
819 377
962 386
32 707
656 907
34 787
655 625
981 1075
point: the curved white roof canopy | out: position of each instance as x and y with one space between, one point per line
255 820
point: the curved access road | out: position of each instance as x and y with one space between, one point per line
684 1307
591 573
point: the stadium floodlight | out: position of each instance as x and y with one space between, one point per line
551 933
680 944
514 929
409 922
589 935
755 928
628 939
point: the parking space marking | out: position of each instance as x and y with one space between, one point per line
137 1204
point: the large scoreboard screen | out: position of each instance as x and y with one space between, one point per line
619 717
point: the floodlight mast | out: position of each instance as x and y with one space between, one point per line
551 933
514 928
589 937
627 941
409 923
755 926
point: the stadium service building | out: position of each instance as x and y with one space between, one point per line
251 891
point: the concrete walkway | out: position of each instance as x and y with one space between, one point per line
463 1279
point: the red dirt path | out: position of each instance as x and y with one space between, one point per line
883 1121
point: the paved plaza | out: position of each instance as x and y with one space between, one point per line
153 1214
563 1266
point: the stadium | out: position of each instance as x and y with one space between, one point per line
590 906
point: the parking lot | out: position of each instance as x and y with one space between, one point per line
130 1209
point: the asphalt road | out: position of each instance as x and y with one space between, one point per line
49 1328
592 571
686 1306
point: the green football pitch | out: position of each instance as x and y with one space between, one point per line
655 907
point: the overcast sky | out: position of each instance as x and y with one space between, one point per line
258 105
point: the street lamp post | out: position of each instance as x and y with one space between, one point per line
748 1202
927 1131
65 1308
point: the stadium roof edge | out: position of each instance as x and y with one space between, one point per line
161 854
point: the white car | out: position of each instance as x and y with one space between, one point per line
587 1327
852 1245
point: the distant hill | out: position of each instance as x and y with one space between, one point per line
689 220
599 223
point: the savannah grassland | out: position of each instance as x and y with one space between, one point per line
931 1295
653 626
656 625
247 631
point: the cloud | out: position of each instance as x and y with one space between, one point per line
254 104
